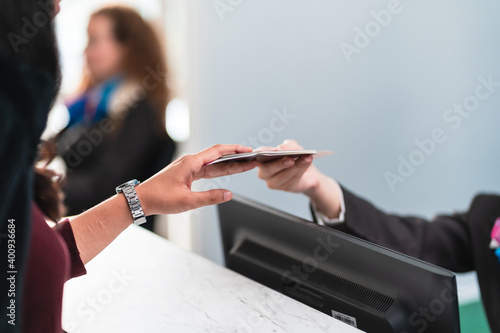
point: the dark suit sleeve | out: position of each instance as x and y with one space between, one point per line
458 242
445 241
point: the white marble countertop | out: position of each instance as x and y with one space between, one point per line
143 283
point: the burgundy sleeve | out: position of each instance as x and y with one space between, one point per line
77 266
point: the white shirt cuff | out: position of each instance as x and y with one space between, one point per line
322 219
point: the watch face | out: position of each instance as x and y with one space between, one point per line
133 182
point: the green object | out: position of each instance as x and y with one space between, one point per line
473 318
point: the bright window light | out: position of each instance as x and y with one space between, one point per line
178 120
57 121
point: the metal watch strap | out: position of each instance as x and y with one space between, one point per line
128 189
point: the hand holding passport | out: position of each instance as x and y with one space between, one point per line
264 156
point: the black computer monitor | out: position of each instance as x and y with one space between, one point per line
365 285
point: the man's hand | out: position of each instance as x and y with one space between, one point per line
288 174
301 176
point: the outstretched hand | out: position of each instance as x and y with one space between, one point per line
169 191
301 176
290 174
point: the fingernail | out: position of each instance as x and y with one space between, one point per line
227 196
288 162
306 160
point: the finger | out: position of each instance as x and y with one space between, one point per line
265 148
212 197
287 178
290 145
211 154
269 169
226 169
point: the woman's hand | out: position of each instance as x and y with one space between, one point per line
169 191
301 176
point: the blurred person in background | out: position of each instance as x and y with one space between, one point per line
116 129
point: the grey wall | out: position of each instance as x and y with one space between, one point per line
276 54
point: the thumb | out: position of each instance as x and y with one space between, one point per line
212 197
264 148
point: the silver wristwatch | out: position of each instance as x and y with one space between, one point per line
128 189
